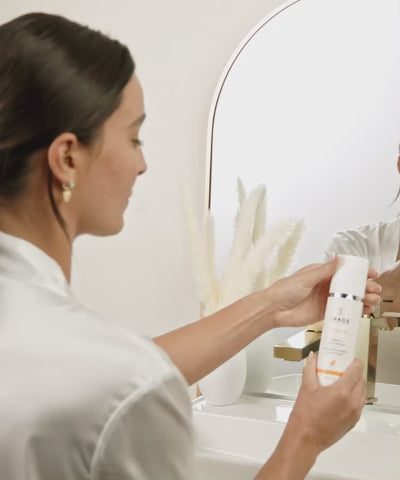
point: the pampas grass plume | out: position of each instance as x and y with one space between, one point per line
257 257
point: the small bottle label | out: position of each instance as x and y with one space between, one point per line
339 337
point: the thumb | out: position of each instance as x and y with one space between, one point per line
323 271
310 379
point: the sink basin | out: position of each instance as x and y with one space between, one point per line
220 466
235 440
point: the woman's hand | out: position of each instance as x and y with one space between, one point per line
327 413
300 299
320 417
200 347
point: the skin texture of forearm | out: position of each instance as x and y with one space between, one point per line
200 347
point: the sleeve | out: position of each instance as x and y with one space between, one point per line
149 437
350 242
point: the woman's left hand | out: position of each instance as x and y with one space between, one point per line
300 299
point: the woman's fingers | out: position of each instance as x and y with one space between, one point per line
352 375
372 273
316 273
310 378
360 393
373 287
372 296
368 309
372 299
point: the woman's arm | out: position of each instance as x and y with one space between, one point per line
200 347
297 300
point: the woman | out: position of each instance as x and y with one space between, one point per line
80 397
379 242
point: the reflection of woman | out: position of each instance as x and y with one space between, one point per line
81 398
380 243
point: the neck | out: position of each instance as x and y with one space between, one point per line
37 224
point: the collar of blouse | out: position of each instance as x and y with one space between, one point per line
23 261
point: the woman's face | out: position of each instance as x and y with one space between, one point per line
105 182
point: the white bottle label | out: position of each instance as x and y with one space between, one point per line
339 337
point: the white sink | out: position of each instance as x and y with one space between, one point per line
234 441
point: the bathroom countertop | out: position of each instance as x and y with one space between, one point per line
248 431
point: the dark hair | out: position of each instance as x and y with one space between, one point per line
55 76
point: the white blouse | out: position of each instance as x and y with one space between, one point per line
81 398
378 242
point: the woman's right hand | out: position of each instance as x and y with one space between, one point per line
325 414
320 417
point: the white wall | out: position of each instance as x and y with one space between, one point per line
142 276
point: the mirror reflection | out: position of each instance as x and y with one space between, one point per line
309 104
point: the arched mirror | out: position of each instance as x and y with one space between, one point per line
309 104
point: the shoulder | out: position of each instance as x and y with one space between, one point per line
369 233
378 242
90 382
353 242
393 226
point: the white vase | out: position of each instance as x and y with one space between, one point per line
260 361
224 385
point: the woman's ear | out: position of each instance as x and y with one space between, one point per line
63 157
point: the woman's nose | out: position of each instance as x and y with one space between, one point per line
142 165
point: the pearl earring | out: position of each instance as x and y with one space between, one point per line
67 190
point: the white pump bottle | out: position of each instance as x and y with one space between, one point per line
342 318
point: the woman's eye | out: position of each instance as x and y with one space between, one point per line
137 143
